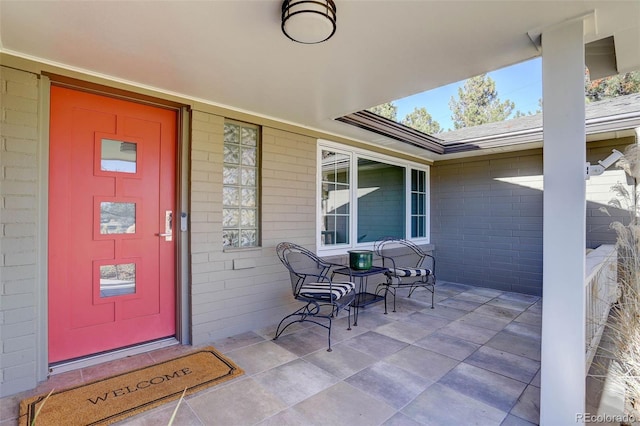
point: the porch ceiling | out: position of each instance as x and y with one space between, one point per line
233 54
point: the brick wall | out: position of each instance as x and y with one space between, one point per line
243 289
19 132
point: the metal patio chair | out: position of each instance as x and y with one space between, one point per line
408 266
312 284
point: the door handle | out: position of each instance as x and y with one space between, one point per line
168 225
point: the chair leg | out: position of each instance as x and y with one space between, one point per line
329 336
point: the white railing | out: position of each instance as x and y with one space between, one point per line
601 286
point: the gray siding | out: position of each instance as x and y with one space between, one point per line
486 217
19 93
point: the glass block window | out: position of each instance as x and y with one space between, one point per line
240 192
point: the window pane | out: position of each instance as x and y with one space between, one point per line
335 198
381 200
117 156
117 280
117 218
418 203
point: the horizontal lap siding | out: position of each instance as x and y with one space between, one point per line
239 290
19 150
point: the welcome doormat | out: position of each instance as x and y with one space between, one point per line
117 397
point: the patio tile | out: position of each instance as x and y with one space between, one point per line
371 320
295 381
342 362
536 307
489 292
490 388
441 405
447 285
470 296
515 344
536 379
528 405
445 312
270 331
484 321
389 383
260 357
427 322
289 417
238 341
422 362
525 330
400 419
497 311
242 402
512 420
519 297
514 366
450 346
343 404
375 344
304 341
462 305
468 332
530 318
404 331
161 416
516 305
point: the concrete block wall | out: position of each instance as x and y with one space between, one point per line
237 290
19 165
486 216
486 221
599 194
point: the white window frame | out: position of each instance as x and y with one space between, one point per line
354 154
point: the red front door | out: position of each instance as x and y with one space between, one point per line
111 200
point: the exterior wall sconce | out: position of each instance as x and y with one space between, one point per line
598 169
309 21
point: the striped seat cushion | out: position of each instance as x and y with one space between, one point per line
326 291
409 272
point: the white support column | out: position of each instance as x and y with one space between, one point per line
562 396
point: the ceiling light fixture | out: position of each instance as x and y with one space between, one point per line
309 21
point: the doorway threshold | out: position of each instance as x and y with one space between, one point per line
88 361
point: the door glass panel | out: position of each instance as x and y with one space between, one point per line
118 279
118 156
117 218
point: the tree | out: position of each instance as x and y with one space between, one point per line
388 110
478 103
610 87
537 111
421 120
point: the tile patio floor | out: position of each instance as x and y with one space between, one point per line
474 359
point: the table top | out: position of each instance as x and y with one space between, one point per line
360 272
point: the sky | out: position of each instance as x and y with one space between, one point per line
520 83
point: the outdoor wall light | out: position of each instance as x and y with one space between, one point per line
598 169
309 21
